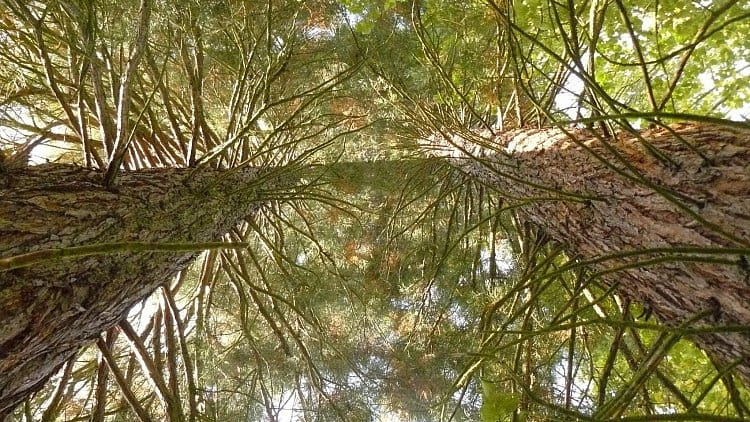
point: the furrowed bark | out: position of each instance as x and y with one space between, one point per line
623 214
49 311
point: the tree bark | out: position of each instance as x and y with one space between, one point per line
603 212
49 311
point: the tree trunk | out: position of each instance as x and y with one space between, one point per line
49 311
619 214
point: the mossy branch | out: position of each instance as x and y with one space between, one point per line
41 256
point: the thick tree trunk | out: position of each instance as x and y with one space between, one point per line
49 311
625 215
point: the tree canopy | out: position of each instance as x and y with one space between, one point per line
384 284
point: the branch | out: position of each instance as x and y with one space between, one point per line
123 105
38 257
122 382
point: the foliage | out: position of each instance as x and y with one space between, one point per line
385 285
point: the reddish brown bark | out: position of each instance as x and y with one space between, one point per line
47 312
624 215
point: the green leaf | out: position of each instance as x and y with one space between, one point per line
365 26
497 405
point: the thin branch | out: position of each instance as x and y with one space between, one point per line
38 257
